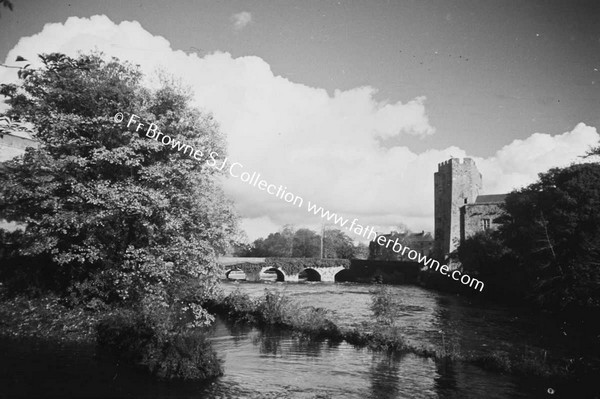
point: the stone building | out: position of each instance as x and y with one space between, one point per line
13 143
460 210
480 215
421 242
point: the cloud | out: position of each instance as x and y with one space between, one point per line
241 20
324 147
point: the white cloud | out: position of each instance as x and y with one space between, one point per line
518 163
323 147
241 19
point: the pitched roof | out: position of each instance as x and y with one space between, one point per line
490 198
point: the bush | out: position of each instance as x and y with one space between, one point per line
148 341
384 306
274 308
239 306
187 356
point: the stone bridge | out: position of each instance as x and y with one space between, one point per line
256 269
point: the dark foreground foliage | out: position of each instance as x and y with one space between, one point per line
145 340
46 317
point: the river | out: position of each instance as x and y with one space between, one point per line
280 364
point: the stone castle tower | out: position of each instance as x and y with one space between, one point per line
456 183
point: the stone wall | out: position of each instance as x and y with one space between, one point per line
420 242
12 145
474 215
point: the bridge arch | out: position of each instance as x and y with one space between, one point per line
239 274
310 274
343 276
280 275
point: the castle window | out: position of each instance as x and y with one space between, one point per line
485 223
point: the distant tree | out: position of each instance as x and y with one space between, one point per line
125 217
307 244
337 245
303 243
594 151
288 233
7 4
275 245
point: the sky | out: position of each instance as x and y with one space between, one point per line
351 105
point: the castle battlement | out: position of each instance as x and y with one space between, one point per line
456 161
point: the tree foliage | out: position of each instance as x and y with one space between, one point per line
337 245
123 216
307 244
303 243
7 4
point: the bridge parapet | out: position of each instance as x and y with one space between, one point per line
289 268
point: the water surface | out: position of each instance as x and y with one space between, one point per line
280 364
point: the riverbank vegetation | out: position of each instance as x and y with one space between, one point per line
165 345
304 244
275 309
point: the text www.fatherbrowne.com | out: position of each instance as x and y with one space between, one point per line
236 170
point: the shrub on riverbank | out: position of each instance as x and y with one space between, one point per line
147 340
275 309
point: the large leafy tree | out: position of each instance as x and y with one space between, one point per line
548 244
553 226
124 217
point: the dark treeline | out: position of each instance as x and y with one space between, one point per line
304 243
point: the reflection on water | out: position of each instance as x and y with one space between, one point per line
469 324
280 364
258 364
